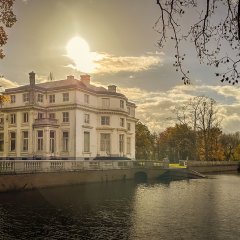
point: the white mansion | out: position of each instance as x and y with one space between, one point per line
66 119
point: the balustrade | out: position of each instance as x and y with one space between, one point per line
32 166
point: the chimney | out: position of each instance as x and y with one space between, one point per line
112 88
32 78
70 77
85 79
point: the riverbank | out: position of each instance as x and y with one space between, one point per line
20 182
213 166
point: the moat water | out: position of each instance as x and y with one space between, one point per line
187 209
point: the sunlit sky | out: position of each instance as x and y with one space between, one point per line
115 42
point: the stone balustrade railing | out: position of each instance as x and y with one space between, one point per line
34 166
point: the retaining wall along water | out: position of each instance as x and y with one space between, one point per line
213 166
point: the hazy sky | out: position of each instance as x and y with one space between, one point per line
121 34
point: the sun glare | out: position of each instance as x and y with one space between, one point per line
79 52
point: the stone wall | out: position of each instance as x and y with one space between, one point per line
213 166
41 180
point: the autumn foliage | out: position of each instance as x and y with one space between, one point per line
197 135
7 19
3 99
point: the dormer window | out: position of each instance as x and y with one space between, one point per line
121 104
12 98
25 97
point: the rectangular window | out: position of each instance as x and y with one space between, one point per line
40 140
25 117
12 141
65 97
65 141
2 120
52 141
12 98
86 118
105 142
129 126
25 97
128 145
121 143
52 115
128 110
40 97
105 120
52 98
1 142
40 115
121 104
122 122
86 141
13 118
105 102
86 98
25 141
133 112
65 116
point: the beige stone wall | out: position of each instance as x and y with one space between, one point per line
215 166
41 180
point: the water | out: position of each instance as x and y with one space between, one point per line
194 209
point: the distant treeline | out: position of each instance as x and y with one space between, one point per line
196 135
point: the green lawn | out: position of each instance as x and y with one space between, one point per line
176 165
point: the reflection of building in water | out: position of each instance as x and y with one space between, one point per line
70 119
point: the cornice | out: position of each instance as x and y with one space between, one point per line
67 107
105 128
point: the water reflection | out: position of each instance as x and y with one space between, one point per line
195 209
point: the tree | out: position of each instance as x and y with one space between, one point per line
7 19
214 32
236 155
144 142
200 114
3 99
230 143
176 143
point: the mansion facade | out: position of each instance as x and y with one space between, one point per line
66 119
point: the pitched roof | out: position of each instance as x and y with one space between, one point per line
64 84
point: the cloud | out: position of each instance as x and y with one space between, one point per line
84 60
115 64
107 63
5 83
155 108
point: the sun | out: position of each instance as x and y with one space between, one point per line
84 60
